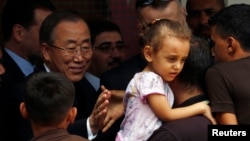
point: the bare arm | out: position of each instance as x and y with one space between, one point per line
226 118
162 109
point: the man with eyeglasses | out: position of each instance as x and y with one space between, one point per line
66 48
109 49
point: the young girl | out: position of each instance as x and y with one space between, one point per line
148 98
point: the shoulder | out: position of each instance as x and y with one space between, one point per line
76 138
148 76
182 129
228 68
119 77
134 64
12 69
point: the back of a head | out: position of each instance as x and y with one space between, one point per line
48 98
21 12
154 33
98 26
49 24
197 63
234 21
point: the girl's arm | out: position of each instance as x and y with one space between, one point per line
162 109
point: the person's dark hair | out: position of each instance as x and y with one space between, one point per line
21 12
98 26
233 21
47 28
220 2
197 63
48 97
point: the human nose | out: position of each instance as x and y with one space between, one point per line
79 51
115 52
178 65
84 51
204 18
78 57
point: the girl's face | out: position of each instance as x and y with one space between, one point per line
169 59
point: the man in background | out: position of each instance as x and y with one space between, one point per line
198 14
21 20
108 49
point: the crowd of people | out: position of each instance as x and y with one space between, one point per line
63 77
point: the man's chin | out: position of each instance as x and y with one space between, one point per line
205 34
76 78
113 65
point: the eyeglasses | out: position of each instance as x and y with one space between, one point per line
142 3
108 48
72 51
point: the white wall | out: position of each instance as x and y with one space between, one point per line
227 2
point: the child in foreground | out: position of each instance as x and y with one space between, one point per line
48 103
148 98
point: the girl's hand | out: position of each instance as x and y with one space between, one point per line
208 112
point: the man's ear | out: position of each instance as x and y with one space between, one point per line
23 110
72 115
45 51
18 32
147 52
231 45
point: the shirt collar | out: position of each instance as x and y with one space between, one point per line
25 66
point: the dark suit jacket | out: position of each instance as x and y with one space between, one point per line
12 76
86 97
119 77
189 129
